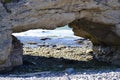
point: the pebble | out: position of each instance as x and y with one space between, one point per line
69 70
45 39
88 75
60 47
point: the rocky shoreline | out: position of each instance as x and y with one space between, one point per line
61 62
58 59
81 75
96 20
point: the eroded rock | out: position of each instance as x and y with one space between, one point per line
98 33
110 54
17 52
49 14
106 41
98 20
5 49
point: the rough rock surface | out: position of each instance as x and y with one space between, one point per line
16 53
106 42
98 20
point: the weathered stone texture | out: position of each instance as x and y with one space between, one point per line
98 33
50 14
106 43
5 48
110 54
9 57
98 20
16 53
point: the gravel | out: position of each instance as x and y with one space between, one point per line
83 75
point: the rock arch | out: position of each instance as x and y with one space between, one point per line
98 20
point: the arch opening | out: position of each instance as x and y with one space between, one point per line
55 50
97 22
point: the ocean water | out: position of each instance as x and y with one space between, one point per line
59 36
58 32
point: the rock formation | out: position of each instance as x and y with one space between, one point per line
98 20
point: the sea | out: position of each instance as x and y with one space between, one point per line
59 36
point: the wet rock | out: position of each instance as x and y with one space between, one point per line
43 45
59 47
79 41
45 39
54 45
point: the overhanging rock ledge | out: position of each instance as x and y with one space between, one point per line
97 20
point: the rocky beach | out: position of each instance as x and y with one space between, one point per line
51 56
34 47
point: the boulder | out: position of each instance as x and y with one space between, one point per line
106 41
97 20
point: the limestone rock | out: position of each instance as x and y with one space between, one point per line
5 48
98 33
110 54
98 20
5 40
49 14
106 42
16 53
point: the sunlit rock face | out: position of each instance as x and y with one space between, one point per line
49 14
98 20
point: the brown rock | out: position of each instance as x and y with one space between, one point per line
98 20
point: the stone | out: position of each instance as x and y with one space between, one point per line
59 47
17 52
108 54
45 38
98 33
97 20
5 49
69 70
106 42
